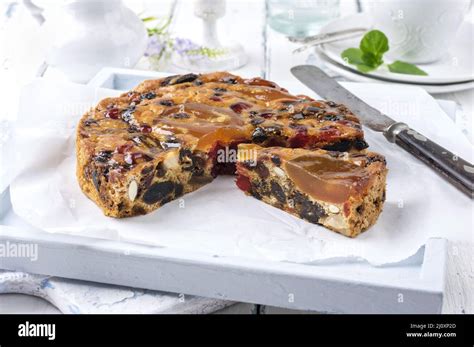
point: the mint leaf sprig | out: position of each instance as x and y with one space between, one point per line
369 55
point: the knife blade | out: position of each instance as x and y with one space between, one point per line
452 168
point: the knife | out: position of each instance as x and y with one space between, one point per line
452 168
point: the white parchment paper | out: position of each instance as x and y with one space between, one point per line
219 219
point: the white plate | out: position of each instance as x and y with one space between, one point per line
354 75
456 66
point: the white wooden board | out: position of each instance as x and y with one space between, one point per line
414 286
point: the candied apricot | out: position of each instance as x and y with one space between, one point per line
221 135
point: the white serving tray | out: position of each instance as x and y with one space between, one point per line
414 286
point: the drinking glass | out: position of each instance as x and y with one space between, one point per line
300 18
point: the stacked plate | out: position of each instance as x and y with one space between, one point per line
454 72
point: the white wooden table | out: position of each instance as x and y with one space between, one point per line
269 57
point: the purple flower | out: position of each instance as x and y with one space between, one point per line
155 46
182 46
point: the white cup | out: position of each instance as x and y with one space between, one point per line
419 31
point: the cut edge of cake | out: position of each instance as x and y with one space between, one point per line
165 178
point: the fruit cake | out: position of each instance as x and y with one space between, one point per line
146 147
344 191
164 138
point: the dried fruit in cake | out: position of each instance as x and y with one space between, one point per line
342 191
138 151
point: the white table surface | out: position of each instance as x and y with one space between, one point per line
270 57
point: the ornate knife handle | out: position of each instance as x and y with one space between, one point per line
454 169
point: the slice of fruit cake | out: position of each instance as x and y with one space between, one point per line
343 191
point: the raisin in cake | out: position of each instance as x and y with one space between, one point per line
340 190
159 141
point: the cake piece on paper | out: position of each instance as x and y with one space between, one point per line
343 191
